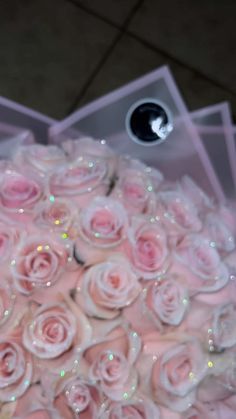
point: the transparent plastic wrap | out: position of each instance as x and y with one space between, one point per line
176 149
11 136
200 144
16 118
215 128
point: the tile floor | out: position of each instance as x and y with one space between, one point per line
57 55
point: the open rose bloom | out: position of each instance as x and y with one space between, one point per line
117 291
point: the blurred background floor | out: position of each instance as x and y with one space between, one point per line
57 55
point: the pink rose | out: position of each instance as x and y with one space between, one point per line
56 332
57 215
154 177
102 228
7 300
221 383
19 194
106 288
224 409
162 304
16 367
111 363
32 405
214 325
222 327
177 213
87 146
200 264
40 263
169 414
77 396
167 300
9 237
147 248
177 370
39 414
200 410
136 190
196 195
42 158
81 180
135 409
219 233
94 149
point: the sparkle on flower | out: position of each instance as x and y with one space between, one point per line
212 244
191 375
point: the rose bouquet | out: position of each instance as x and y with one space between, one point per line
117 292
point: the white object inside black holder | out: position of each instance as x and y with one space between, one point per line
105 118
149 122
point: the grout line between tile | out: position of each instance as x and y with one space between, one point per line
105 56
123 30
87 9
166 54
